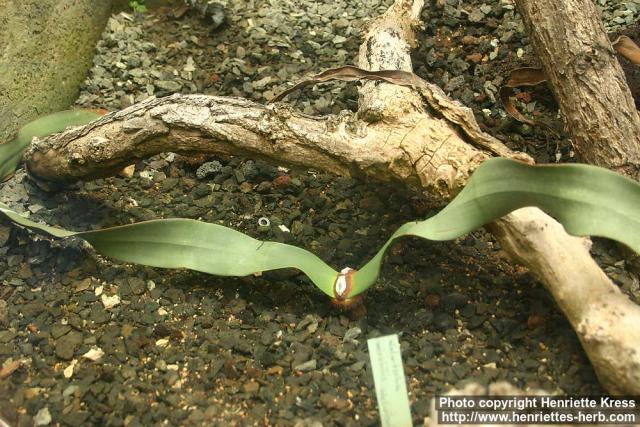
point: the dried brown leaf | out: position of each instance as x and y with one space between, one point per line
627 48
525 76
506 92
350 73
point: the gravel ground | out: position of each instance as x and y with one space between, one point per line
101 343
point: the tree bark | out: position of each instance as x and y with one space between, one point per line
588 83
417 136
208 124
46 49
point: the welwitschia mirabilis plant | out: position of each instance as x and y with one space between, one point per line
587 200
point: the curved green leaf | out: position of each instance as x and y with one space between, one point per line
196 245
587 200
11 152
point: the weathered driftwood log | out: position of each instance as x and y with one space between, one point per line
569 38
414 136
206 124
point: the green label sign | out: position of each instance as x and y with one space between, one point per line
388 376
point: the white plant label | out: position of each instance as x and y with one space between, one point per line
389 380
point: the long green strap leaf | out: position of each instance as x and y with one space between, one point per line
587 200
196 245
